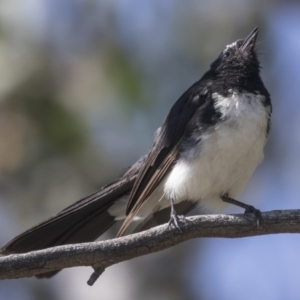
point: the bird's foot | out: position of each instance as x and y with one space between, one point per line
256 212
249 209
175 220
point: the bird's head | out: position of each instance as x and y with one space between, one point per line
238 60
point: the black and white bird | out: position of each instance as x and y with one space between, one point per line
203 155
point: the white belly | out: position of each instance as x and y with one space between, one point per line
227 155
221 163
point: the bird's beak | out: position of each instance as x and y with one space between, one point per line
249 42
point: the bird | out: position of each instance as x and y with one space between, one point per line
202 155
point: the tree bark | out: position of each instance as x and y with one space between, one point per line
103 254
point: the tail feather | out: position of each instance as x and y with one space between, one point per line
82 221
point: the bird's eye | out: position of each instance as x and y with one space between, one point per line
227 54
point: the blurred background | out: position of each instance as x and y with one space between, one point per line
84 85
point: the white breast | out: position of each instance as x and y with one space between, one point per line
227 154
222 162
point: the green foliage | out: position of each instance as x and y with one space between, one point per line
56 124
125 76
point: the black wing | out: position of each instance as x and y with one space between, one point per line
165 149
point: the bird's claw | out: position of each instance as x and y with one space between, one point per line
256 212
175 220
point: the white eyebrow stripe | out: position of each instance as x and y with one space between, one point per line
230 46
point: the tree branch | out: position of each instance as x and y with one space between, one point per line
103 254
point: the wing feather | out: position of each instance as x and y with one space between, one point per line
165 150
